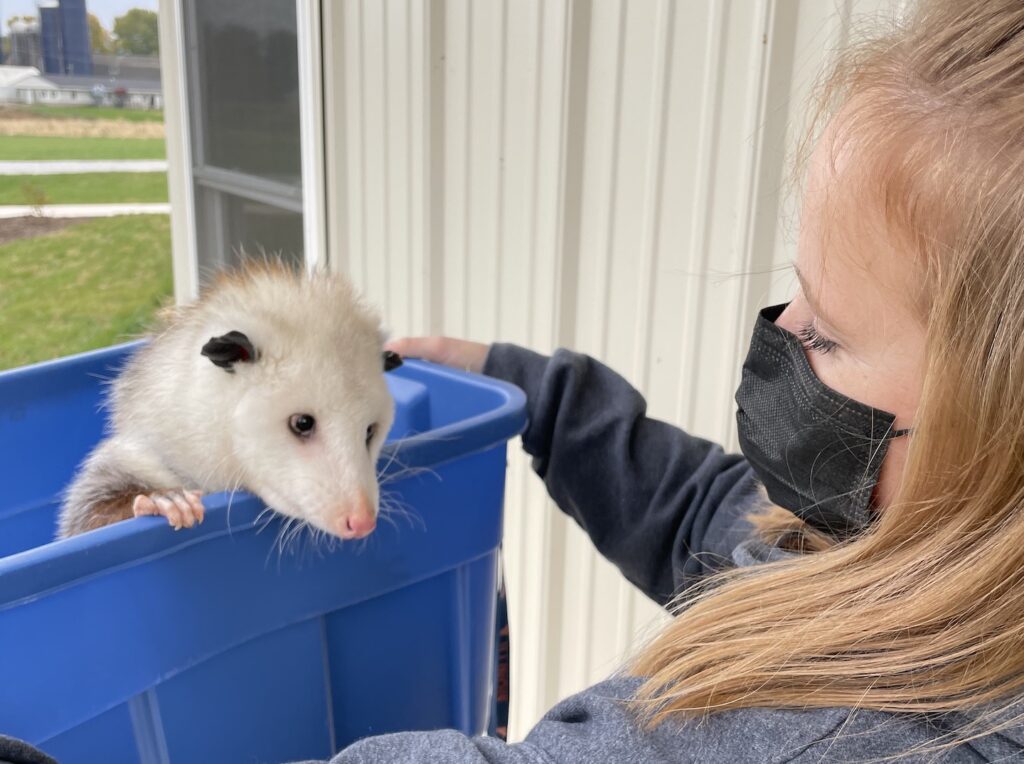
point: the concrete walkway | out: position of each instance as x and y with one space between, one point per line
82 210
69 166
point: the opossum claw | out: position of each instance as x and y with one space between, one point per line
183 509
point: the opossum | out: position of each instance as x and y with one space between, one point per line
272 382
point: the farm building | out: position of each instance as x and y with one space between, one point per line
25 84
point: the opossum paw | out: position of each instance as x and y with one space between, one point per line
183 509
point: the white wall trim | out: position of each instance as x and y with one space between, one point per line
311 132
179 151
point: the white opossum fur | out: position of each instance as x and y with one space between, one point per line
191 414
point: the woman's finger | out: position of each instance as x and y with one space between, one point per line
459 354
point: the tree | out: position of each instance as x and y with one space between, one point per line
99 38
136 33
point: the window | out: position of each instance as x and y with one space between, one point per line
242 63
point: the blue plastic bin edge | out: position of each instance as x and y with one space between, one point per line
21 573
475 434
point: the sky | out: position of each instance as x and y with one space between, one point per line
105 10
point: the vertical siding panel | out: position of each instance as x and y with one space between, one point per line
435 191
394 160
753 179
501 180
458 125
376 204
704 184
552 246
387 218
594 173
519 145
356 130
597 638
636 70
629 599
483 165
597 220
415 232
367 185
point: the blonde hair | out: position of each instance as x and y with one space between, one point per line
924 610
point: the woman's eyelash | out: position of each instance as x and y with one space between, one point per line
809 336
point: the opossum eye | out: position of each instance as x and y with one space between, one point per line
370 432
302 424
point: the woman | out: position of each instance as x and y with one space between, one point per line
871 607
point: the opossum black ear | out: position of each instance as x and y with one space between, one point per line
391 360
228 349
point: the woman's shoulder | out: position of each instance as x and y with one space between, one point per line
599 725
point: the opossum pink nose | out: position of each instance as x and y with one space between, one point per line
358 521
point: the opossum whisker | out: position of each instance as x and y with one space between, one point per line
394 451
231 499
328 540
104 402
296 532
294 543
406 473
286 531
308 542
316 540
269 511
413 520
361 544
279 540
391 504
293 534
392 458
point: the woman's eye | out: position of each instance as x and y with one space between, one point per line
370 432
812 340
302 425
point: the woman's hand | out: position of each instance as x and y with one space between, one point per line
459 354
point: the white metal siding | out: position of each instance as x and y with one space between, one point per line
598 174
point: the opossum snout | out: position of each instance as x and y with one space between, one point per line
357 519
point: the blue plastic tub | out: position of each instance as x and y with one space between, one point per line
136 643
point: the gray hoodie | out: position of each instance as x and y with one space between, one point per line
667 508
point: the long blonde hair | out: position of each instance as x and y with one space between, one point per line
923 611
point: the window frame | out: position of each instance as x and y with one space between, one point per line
309 200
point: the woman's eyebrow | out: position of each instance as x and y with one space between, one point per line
811 299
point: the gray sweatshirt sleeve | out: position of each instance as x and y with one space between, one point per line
597 727
664 506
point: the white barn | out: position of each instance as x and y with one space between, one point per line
76 90
14 78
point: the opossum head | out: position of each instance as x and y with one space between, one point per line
298 364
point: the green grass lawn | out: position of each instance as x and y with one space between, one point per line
92 112
87 286
49 147
86 188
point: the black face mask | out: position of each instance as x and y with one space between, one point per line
817 452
